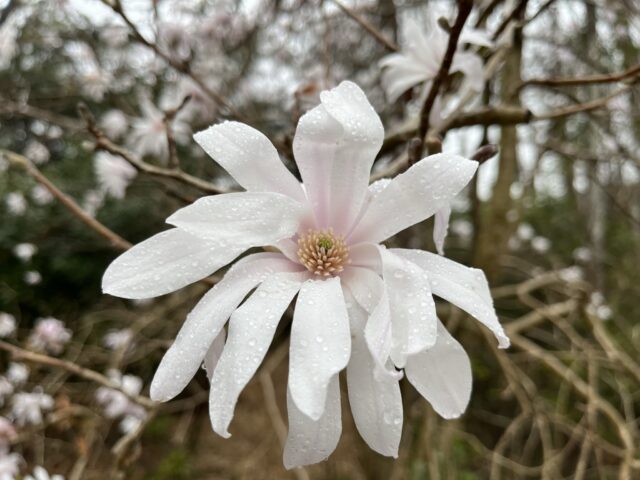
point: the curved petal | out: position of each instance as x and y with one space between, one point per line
472 67
247 219
312 441
413 196
376 403
213 354
164 263
413 311
402 72
441 227
465 287
206 320
251 331
320 343
442 375
250 158
335 145
365 255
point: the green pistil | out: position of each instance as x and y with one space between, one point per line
325 242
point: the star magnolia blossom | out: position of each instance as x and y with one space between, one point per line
422 53
359 305
28 408
39 473
114 173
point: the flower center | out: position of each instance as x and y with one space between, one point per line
323 252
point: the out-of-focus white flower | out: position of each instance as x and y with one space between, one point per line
598 307
7 433
6 389
149 135
422 51
8 42
37 152
39 473
175 39
40 195
114 35
582 254
9 465
571 274
116 404
24 251
49 335
32 277
17 373
96 82
92 201
114 123
359 306
199 109
28 408
16 203
7 324
462 228
541 244
116 339
525 232
114 173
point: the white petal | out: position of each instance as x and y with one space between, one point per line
376 403
472 67
164 263
246 219
213 354
320 343
251 331
402 72
203 324
413 196
441 227
442 375
335 146
413 310
465 287
249 157
476 36
312 441
365 255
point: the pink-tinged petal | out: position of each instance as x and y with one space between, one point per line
206 320
441 227
376 403
414 196
413 310
320 343
335 146
289 249
465 287
164 263
312 441
251 331
248 219
213 354
250 158
442 375
400 73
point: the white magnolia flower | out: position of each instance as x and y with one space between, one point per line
40 195
116 404
421 56
92 201
114 173
16 203
116 339
49 335
359 305
39 473
6 389
28 408
9 465
149 135
24 251
36 152
541 244
114 123
7 433
7 324
17 373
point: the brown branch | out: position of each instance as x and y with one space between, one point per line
582 107
375 33
113 238
515 13
26 355
29 111
464 8
586 80
169 116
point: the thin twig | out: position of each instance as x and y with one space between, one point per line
375 33
629 73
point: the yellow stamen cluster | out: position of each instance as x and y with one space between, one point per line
323 252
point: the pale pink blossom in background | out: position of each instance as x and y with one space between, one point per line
40 195
24 251
10 465
16 203
17 373
114 173
32 277
49 335
117 405
29 408
116 339
7 324
6 389
360 306
540 244
7 433
92 201
36 152
114 124
40 473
